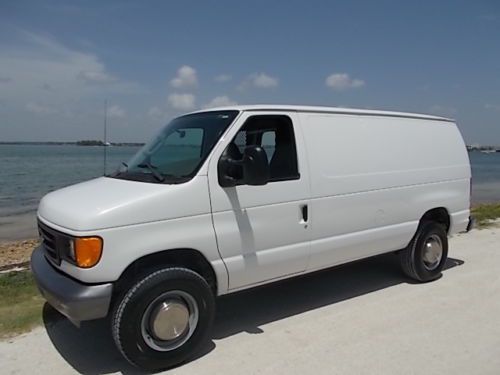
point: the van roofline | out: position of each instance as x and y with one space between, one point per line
321 109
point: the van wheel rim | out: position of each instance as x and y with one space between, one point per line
433 252
169 320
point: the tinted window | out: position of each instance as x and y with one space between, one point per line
176 154
180 152
275 135
269 143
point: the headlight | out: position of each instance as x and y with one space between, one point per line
85 252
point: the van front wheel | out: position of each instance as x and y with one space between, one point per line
424 258
164 318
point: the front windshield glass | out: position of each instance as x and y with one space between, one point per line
179 150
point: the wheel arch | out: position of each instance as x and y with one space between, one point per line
182 257
439 215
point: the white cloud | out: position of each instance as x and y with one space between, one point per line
39 109
182 102
186 78
342 81
264 81
223 78
259 80
220 101
62 85
35 61
115 111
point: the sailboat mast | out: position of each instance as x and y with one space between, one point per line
105 134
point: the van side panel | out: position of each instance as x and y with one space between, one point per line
373 178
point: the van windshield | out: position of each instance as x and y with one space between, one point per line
178 151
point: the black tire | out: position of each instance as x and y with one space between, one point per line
413 262
127 317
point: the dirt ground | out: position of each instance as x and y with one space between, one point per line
16 252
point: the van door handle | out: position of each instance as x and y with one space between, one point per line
305 213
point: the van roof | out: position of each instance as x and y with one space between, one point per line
320 109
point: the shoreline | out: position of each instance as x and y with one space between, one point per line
18 227
71 143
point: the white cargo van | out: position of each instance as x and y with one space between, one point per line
227 199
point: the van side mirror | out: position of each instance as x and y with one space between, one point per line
252 169
227 171
255 166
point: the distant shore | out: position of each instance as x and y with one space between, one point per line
77 143
484 149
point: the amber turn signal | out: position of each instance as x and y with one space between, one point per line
88 251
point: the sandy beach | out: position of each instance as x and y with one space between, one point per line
18 228
362 318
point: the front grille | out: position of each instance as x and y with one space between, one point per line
50 241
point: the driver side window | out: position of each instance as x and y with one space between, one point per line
274 133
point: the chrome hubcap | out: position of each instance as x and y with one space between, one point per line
170 320
433 252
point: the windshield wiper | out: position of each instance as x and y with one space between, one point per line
154 172
118 171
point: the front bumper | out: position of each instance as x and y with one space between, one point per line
71 298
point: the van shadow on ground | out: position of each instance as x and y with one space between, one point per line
91 350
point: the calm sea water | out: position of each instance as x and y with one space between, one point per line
28 172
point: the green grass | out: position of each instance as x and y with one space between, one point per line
20 303
485 214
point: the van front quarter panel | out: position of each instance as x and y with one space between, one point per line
177 218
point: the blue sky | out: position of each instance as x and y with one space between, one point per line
153 60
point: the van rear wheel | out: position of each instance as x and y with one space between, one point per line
164 318
424 258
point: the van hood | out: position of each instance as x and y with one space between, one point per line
108 202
